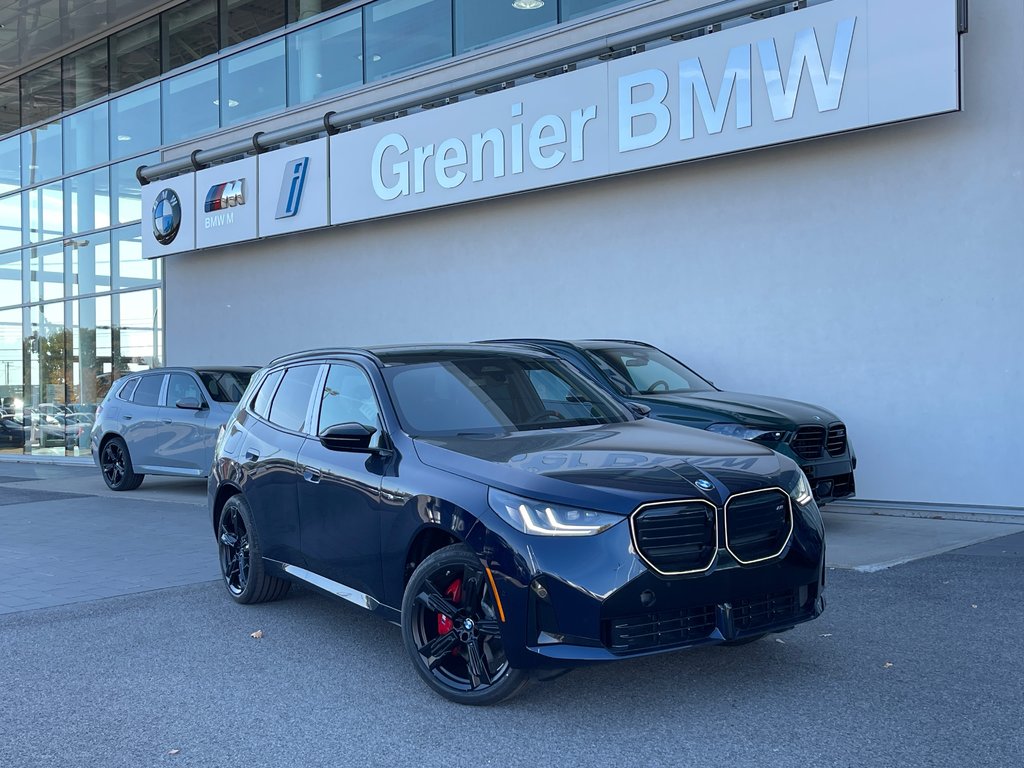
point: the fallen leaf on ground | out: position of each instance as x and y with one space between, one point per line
780 640
174 752
973 605
887 665
827 634
257 634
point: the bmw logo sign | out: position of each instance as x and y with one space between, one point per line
704 485
166 216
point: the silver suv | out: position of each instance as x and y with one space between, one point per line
164 422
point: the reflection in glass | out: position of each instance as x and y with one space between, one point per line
46 272
190 104
252 83
10 221
135 122
93 368
247 19
191 32
325 58
135 55
481 22
10 164
87 201
88 260
40 93
572 9
41 154
85 75
132 270
12 433
300 10
45 212
401 34
85 139
127 195
138 333
10 106
10 278
47 380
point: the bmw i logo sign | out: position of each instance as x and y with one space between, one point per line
704 485
166 216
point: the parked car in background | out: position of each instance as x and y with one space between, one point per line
164 422
507 512
812 436
12 431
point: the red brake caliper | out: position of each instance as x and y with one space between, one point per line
454 591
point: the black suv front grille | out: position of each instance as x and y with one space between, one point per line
835 443
757 525
809 442
659 630
678 537
766 611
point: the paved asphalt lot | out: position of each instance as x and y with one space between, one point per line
148 663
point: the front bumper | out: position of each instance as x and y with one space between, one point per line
582 600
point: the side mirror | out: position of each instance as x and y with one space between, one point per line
641 411
190 404
348 437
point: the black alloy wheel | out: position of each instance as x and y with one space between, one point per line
452 630
241 563
116 466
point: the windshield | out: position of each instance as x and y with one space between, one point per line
489 395
226 386
646 371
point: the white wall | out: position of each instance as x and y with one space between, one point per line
879 274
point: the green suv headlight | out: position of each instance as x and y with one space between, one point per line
760 434
541 519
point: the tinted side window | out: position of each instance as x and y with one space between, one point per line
127 389
261 403
348 397
148 390
292 398
181 386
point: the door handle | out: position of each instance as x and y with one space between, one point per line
311 475
252 455
165 421
127 417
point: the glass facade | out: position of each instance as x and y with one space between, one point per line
79 306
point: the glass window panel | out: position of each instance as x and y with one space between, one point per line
85 75
41 153
132 270
572 9
43 208
87 201
190 104
127 197
40 93
481 22
292 398
92 363
138 330
47 379
135 122
148 390
12 347
191 31
135 55
85 139
88 260
10 164
10 106
10 278
46 272
402 34
301 10
10 221
325 58
252 83
247 19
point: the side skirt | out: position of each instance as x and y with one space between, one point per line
338 589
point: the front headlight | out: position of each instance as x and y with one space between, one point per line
763 434
801 492
541 519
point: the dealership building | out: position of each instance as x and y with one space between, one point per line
818 200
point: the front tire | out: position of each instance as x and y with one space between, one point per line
241 560
116 466
452 631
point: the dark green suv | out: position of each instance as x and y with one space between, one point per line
644 375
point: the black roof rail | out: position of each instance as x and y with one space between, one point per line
324 352
625 341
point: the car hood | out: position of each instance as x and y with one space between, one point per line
613 467
755 410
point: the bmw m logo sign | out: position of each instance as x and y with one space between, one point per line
227 195
166 216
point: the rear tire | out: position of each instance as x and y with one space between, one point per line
116 466
241 560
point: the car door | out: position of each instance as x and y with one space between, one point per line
339 491
140 421
184 443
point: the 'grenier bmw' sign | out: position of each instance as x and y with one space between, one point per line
830 68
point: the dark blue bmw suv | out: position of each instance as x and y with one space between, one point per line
507 513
